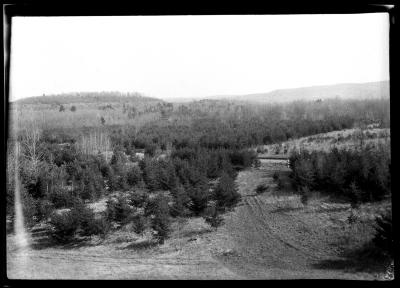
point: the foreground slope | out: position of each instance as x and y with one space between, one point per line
268 236
275 237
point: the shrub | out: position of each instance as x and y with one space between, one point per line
242 159
285 149
118 210
166 175
160 221
213 217
181 202
29 208
101 227
262 188
80 220
118 176
150 149
139 224
139 198
85 218
150 170
225 165
226 193
44 209
355 195
383 238
198 193
61 198
280 184
65 226
304 173
304 194
352 217
134 176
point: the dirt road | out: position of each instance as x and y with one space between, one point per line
266 237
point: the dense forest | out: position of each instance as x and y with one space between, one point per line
360 175
192 153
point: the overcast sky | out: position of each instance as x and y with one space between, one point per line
194 56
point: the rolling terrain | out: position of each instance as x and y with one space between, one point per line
267 236
372 90
274 234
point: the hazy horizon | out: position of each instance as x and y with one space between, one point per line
219 96
172 57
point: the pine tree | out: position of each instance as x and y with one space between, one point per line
199 193
226 193
181 201
118 210
304 174
151 175
226 165
134 176
212 169
161 221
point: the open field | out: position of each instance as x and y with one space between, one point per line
343 139
267 236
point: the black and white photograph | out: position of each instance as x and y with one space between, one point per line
199 147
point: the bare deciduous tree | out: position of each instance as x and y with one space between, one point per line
31 148
94 143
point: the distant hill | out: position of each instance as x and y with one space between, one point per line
88 97
371 90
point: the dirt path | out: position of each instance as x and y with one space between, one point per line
270 243
109 262
266 236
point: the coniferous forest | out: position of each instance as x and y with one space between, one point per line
156 161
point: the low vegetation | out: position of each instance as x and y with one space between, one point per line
157 162
262 188
78 221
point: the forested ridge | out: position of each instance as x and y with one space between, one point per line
87 97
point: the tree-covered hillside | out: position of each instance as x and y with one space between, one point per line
88 97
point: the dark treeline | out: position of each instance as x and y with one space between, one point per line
222 124
362 110
214 133
359 175
235 126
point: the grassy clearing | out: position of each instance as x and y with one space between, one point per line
343 139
